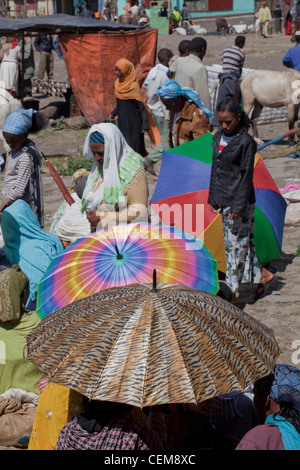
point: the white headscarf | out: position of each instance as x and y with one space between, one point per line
120 165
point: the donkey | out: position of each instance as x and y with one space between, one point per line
261 88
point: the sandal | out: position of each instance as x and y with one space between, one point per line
261 288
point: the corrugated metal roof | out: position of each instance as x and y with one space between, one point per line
60 23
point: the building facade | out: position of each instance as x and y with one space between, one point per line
198 8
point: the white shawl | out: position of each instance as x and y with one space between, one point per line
120 165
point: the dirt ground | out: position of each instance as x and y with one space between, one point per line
279 308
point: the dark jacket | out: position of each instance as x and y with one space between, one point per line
231 181
43 43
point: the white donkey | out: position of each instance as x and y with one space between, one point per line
261 88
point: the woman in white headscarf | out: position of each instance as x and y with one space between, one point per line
116 191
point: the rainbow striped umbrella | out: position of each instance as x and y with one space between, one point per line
183 182
122 255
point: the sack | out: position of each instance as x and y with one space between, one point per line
16 421
292 215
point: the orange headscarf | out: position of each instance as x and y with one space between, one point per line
127 87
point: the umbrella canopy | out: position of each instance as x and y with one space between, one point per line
184 180
122 255
144 346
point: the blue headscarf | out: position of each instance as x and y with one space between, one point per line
171 89
286 385
97 138
286 388
19 121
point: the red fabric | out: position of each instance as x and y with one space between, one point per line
288 29
90 61
216 5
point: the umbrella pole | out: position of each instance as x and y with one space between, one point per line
154 281
119 256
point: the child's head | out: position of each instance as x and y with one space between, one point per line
232 116
164 56
19 124
184 47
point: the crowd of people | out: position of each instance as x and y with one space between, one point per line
178 108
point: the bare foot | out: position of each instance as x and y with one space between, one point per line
266 275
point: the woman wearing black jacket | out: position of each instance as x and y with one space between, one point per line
232 194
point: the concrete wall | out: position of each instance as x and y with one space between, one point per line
40 7
240 7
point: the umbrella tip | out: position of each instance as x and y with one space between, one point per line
119 256
154 281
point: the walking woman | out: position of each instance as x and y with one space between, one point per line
287 18
132 114
9 68
231 193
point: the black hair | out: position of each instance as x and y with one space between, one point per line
184 46
39 122
198 44
240 40
263 385
104 411
234 107
288 412
164 54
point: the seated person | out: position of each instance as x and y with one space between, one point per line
277 402
16 322
116 191
27 245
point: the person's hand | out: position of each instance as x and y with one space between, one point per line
215 208
93 218
233 216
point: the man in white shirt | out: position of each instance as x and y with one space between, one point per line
191 72
156 77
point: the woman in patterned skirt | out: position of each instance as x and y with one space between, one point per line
232 194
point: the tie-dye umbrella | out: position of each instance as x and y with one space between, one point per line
147 344
183 185
122 255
